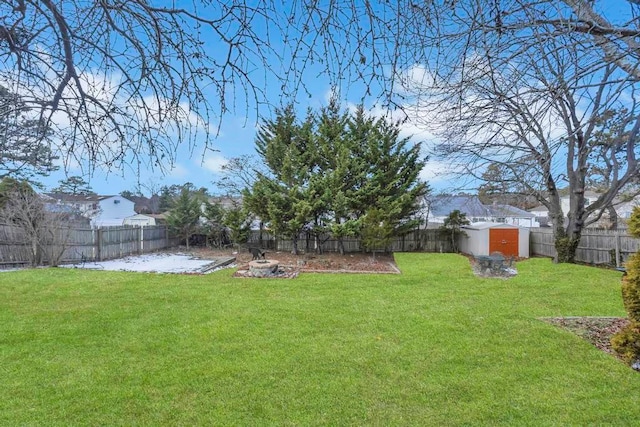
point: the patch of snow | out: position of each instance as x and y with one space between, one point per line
150 263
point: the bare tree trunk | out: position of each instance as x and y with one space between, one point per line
613 217
341 245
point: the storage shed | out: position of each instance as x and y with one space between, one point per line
484 238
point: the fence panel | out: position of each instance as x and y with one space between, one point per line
117 242
596 246
13 245
155 238
430 240
71 245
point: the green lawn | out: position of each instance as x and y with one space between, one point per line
433 346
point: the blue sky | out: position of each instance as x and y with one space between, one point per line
200 165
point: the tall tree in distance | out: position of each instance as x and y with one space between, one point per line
452 227
74 185
503 184
337 175
184 216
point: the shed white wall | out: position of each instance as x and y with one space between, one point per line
523 243
476 242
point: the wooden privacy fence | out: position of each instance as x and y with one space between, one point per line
430 240
14 247
81 245
596 246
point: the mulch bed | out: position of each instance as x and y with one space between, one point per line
596 330
290 265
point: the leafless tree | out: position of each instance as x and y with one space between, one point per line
46 232
118 81
525 85
239 173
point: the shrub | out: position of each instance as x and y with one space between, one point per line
631 287
634 222
566 248
627 343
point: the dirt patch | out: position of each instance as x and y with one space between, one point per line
325 263
596 330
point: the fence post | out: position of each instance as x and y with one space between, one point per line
617 239
99 239
140 239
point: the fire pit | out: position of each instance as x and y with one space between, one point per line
263 268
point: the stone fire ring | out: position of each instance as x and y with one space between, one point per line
262 268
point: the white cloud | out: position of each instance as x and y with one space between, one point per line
214 163
178 171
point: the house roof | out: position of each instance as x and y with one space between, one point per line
471 206
509 211
541 208
77 198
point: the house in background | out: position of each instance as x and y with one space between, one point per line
623 208
541 214
67 214
439 208
226 202
102 211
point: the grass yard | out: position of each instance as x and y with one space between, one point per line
433 346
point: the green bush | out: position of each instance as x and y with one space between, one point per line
627 342
631 287
566 248
634 222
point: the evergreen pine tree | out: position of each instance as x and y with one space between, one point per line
183 218
284 198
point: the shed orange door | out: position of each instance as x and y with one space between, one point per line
504 240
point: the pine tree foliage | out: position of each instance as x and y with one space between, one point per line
376 231
452 227
328 172
184 217
75 185
237 221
